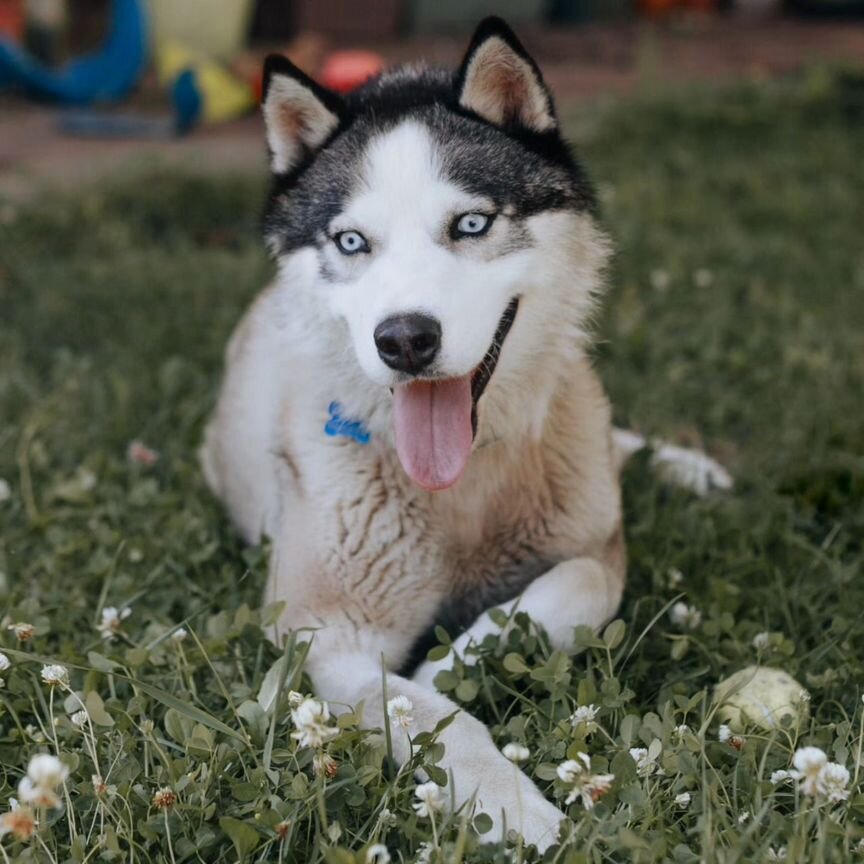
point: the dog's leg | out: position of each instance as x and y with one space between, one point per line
471 759
579 591
681 466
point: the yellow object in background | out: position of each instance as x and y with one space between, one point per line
764 697
223 96
212 28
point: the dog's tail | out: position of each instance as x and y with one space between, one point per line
681 466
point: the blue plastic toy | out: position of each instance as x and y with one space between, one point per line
105 76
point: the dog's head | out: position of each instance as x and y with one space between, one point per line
448 230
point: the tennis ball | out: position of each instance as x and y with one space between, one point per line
761 696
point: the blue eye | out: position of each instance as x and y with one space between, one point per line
472 225
351 242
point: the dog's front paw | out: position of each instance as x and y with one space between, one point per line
425 673
531 815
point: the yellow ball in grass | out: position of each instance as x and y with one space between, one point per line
761 696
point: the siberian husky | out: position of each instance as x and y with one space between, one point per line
408 411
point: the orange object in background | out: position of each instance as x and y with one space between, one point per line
307 52
12 19
344 71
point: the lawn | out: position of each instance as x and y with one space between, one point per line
735 321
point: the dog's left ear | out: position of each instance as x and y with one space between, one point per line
500 81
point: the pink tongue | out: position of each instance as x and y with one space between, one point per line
432 422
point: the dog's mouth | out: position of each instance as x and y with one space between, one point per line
435 420
482 375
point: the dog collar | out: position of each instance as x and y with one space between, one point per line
338 425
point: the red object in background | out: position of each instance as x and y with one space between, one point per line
344 71
12 19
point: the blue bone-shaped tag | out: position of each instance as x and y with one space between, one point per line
339 425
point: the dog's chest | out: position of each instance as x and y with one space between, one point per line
494 556
459 551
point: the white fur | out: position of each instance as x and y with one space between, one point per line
691 469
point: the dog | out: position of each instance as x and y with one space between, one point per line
409 411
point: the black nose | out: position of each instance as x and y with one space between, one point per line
408 343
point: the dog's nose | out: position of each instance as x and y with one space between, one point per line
408 343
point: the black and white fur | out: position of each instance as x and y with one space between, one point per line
370 197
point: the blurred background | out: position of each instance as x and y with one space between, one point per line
87 85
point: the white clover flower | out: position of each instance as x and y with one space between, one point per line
295 698
101 788
39 796
399 710
587 786
645 763
387 818
809 762
682 615
516 752
44 774
45 769
659 279
377 853
674 577
23 630
703 278
681 731
743 816
179 634
593 789
572 769
783 776
20 822
79 719
724 733
777 853
5 491
5 663
682 800
55 674
311 718
803 697
323 764
112 620
334 832
34 733
761 641
584 718
430 799
164 798
832 783
140 454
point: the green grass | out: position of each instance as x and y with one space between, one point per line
735 319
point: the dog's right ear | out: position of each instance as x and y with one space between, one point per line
299 114
499 80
